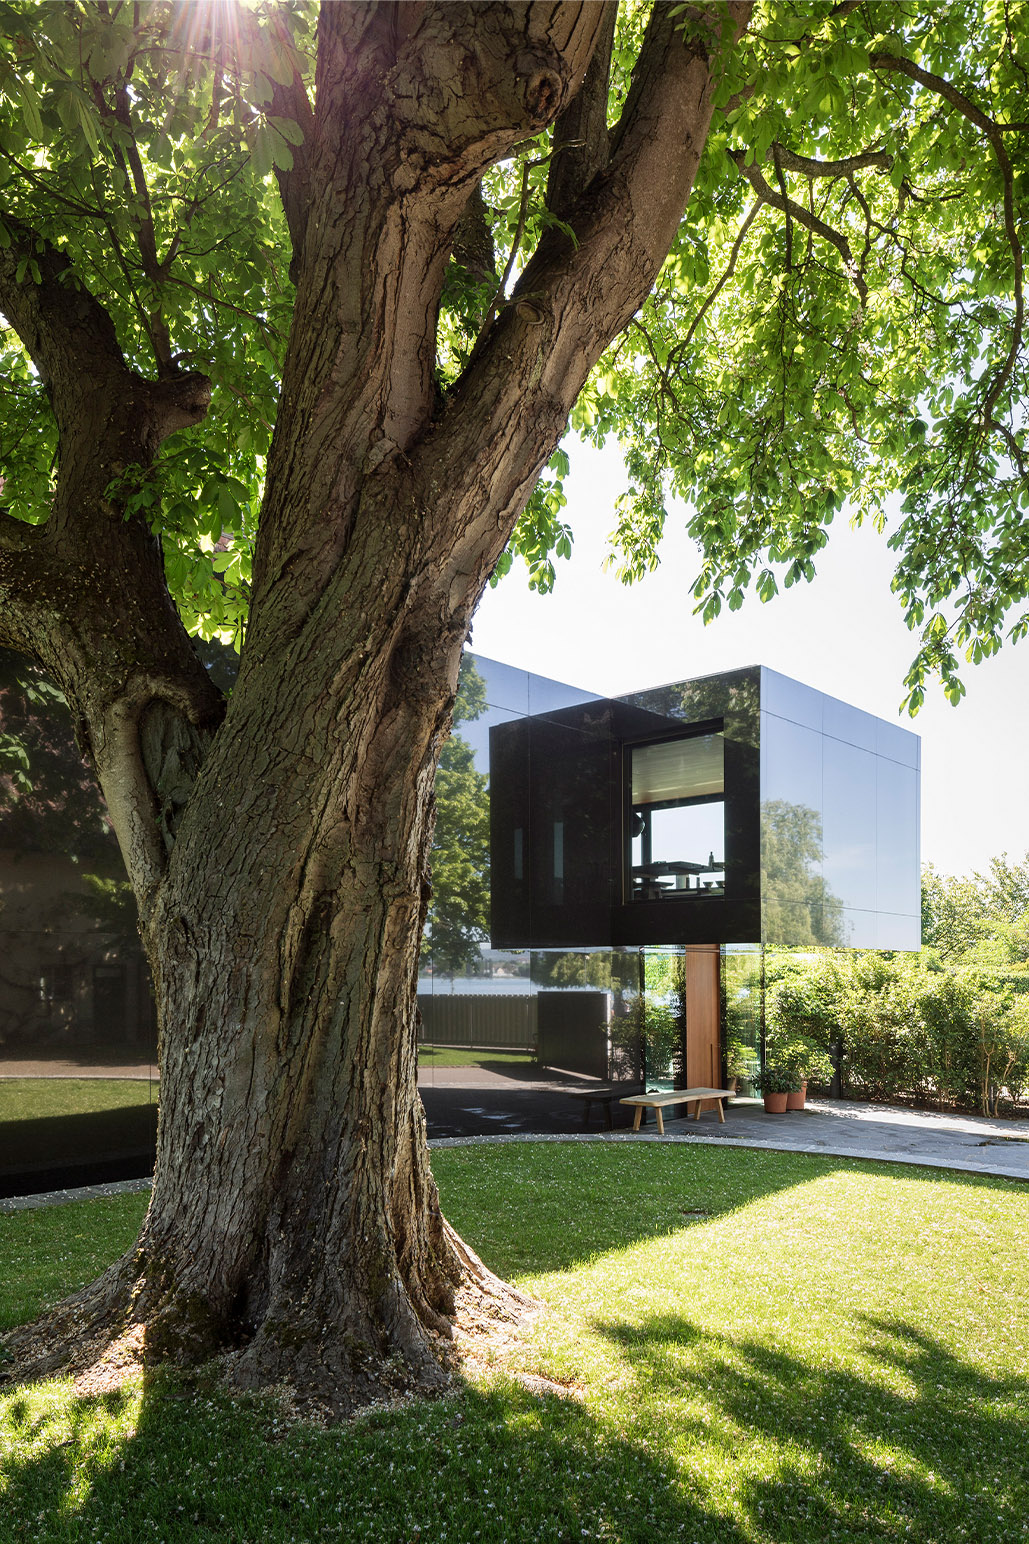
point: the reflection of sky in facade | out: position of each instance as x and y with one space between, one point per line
859 777
691 834
512 693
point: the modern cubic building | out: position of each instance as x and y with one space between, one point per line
673 832
709 818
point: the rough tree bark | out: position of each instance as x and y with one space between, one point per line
279 854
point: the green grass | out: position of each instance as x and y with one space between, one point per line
767 1348
49 1121
46 1254
456 1056
40 1098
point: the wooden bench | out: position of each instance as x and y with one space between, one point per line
658 1102
602 1096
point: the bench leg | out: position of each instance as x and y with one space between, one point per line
721 1112
607 1114
660 1120
587 1105
696 1113
637 1118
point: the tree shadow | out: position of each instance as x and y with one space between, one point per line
501 1464
47 1141
939 1453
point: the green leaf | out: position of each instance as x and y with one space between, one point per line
263 154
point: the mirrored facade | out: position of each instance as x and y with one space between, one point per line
738 808
620 865
839 823
78 1045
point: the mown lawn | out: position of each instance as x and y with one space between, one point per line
460 1056
49 1121
756 1346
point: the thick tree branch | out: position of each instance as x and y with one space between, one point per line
85 591
64 329
292 102
574 297
939 87
810 166
803 217
581 144
994 132
473 239
413 103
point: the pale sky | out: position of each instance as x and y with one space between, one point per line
843 633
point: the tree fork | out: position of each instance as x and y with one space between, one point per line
294 1226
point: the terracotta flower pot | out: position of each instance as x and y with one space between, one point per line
795 1100
775 1104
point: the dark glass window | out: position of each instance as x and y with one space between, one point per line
677 818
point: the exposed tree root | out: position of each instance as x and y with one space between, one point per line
104 1335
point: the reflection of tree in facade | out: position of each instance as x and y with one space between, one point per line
733 696
71 969
458 919
49 801
585 968
798 906
742 993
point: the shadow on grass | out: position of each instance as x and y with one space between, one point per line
927 1447
502 1465
50 1140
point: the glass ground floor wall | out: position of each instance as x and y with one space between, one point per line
520 1042
743 980
512 1043
516 1044
78 1058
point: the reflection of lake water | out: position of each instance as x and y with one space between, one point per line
480 985
493 986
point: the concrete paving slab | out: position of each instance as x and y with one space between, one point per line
840 1128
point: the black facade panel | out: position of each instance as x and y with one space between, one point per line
559 806
573 1032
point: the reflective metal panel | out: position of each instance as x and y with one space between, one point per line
895 932
848 825
896 743
792 886
546 696
843 722
506 687
791 699
858 929
571 767
898 887
791 764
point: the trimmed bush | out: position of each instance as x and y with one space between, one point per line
905 1028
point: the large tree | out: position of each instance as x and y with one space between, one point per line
326 416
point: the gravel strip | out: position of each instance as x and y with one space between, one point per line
996 1170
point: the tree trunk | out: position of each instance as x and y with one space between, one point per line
294 1226
294 1223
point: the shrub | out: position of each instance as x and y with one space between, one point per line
905 1027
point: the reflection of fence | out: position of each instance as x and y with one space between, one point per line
487 1022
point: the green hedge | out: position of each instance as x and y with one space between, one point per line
905 1028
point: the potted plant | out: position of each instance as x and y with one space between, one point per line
806 1061
776 1084
738 1061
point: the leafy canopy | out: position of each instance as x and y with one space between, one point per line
841 316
